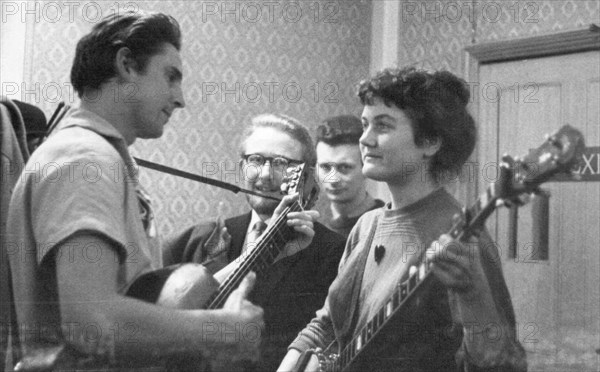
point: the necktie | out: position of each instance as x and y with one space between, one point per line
257 230
146 213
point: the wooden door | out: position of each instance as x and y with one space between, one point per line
557 301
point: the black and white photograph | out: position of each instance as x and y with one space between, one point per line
300 185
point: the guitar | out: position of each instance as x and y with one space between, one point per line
518 178
190 286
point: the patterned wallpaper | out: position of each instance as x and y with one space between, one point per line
434 33
240 58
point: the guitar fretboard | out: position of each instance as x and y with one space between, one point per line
259 259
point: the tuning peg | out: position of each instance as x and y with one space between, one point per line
412 271
502 203
458 217
550 138
508 159
509 203
575 175
524 198
284 188
553 139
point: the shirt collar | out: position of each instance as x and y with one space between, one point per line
255 218
82 118
87 119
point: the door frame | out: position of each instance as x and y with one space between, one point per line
577 41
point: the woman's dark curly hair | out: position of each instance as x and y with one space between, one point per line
143 33
436 104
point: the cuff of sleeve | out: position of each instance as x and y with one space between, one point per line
299 344
511 359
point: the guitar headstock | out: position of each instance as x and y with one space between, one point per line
301 179
560 153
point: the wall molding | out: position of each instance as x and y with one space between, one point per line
538 46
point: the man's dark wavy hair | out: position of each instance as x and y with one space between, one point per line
143 33
436 104
340 130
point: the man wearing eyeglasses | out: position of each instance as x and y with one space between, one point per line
296 285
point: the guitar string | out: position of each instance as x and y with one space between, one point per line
235 278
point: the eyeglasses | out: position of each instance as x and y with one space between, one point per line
278 162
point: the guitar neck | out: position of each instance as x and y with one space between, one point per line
472 219
260 258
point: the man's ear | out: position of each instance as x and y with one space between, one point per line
125 65
432 146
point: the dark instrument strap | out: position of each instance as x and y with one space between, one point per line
198 178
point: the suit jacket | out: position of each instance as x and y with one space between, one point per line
291 290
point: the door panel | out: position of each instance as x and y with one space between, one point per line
557 302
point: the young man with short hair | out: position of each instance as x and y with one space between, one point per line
340 172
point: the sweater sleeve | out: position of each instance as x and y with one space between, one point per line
320 331
503 352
